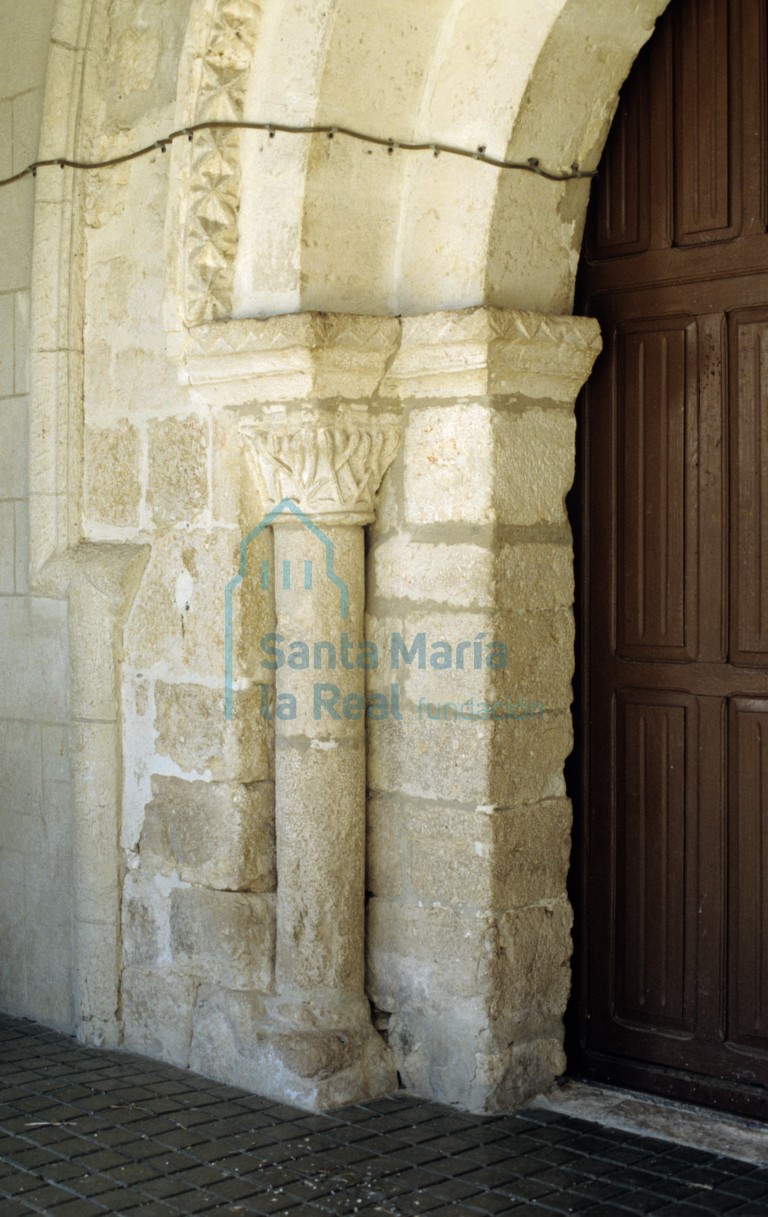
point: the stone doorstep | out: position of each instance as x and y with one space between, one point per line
648 1115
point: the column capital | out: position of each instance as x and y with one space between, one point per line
330 463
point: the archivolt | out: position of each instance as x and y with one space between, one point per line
291 224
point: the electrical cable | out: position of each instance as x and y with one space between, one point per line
532 165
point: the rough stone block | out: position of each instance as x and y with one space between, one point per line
385 848
442 661
459 575
534 577
113 475
226 937
145 921
530 853
243 1040
448 455
177 491
525 1069
193 732
157 1014
427 956
533 465
528 758
431 760
437 1053
179 617
502 764
214 834
535 982
540 661
452 871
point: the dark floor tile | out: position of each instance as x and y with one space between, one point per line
162 1186
525 1189
80 1208
749 1187
417 1202
14 1208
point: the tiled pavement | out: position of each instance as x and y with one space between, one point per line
85 1132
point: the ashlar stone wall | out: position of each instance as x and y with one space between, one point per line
306 906
468 824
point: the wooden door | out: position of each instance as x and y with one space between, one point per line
673 990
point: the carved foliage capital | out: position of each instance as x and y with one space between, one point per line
331 467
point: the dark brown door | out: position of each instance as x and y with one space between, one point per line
674 979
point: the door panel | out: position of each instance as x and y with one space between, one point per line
674 422
749 483
748 992
657 426
653 862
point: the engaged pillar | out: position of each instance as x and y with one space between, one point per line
318 479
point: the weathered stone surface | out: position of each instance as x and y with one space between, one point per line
540 660
535 975
500 859
442 951
178 619
193 732
213 834
530 853
432 760
522 1071
320 810
177 489
386 856
459 575
448 451
242 1039
157 1013
145 914
533 465
534 577
500 763
226 937
528 758
113 481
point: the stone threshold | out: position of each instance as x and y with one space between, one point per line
649 1115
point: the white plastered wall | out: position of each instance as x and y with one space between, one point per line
35 790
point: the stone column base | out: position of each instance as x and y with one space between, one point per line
312 1058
